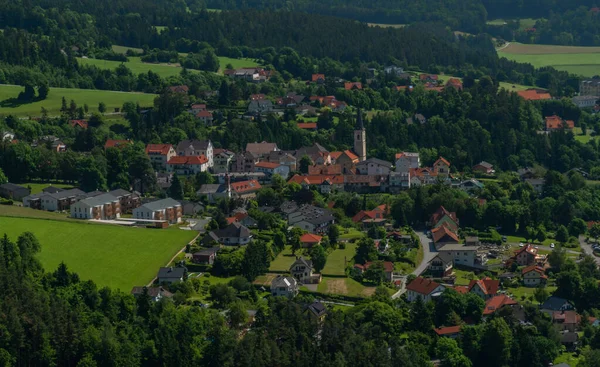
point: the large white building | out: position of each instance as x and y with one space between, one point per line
104 206
196 148
166 209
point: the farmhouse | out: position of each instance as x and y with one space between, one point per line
526 255
533 276
160 154
166 209
170 275
284 286
14 192
101 207
424 288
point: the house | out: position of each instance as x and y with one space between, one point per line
311 126
388 269
51 142
160 154
243 218
352 85
197 107
471 185
347 160
317 311
461 254
526 255
155 293
374 166
454 83
100 207
283 158
537 184
244 162
261 149
187 165
496 302
316 152
162 210
223 160
566 320
324 183
533 94
428 78
183 89
188 148
318 78
191 208
235 234
553 304
484 167
585 101
271 169
284 286
82 124
554 123
370 217
308 240
485 288
393 70
407 160
399 180
441 167
57 201
311 219
244 189
302 271
205 117
128 200
170 275
441 214
533 276
260 107
14 192
213 192
472 241
448 332
424 288
442 236
441 265
111 143
569 340
205 256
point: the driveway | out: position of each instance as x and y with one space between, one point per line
429 252
587 248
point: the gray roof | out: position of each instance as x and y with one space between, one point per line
458 247
99 200
60 195
289 207
211 189
378 161
321 219
171 272
12 187
302 261
208 251
52 189
235 229
535 181
556 304
284 281
161 204
317 308
261 148
445 257
195 144
485 164
119 192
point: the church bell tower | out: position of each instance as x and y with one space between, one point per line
360 138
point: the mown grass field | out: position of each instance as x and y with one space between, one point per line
38 187
136 66
117 257
236 63
577 60
52 103
336 261
283 261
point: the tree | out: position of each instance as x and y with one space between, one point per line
43 91
91 177
577 227
140 170
294 239
237 314
557 258
496 343
222 295
256 259
541 294
451 354
365 251
562 234
3 178
305 162
203 178
541 234
176 189
333 233
375 273
95 120
28 94
318 256
279 240
224 98
595 231
102 107
63 106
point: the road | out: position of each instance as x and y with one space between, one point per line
587 248
429 253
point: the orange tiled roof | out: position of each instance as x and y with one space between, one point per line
191 160
447 330
497 302
316 77
310 238
351 85
307 125
534 95
442 159
489 286
162 149
555 122
536 269
422 285
317 179
269 165
245 186
441 231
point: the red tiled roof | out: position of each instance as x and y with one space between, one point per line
191 160
245 186
316 77
238 217
335 155
534 95
534 268
81 123
162 149
310 238
321 169
268 165
199 106
180 89
488 286
442 159
447 330
527 248
204 113
116 143
497 302
442 231
555 122
351 85
439 214
317 179
307 125
462 289
422 285
351 155
428 76
453 82
566 317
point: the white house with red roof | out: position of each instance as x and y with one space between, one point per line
272 168
496 302
485 288
424 288
533 276
244 189
309 240
187 165
526 255
160 154
205 116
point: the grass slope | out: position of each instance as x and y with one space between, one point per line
236 63
38 187
136 66
112 256
577 60
336 261
52 103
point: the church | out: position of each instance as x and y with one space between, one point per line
360 138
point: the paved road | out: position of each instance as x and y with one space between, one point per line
587 248
429 253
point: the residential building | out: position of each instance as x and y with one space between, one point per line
441 265
441 167
260 107
497 302
553 304
283 158
454 83
590 87
452 332
443 236
271 169
374 166
155 293
537 184
182 89
205 256
223 161
206 117
485 288
244 219
352 85
316 152
484 167
318 78
406 161
388 269
160 154
566 321
308 240
82 124
261 149
100 207
533 276
188 148
424 288
170 275
244 189
190 207
162 210
428 78
244 162
462 255
317 311
360 137
13 192
526 255
188 165
471 185
347 160
302 270
440 214
324 183
585 101
58 201
235 234
284 286
400 180
197 107
213 192
554 123
533 94
393 70
311 219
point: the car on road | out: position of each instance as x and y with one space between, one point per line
551 245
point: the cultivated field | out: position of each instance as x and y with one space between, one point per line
112 256
91 97
577 60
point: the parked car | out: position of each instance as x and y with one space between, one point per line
551 245
521 244
504 239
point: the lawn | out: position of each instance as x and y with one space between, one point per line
21 212
283 261
578 60
123 49
37 187
569 358
236 63
113 256
520 239
53 102
344 287
507 86
136 66
518 293
583 138
386 25
351 233
463 277
525 22
336 261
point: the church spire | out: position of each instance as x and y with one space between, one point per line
359 120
